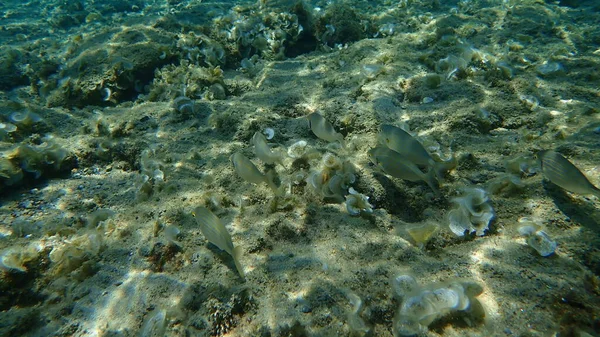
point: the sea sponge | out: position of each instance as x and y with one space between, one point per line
472 212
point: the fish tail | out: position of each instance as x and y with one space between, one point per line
270 180
341 139
280 156
430 179
236 253
442 167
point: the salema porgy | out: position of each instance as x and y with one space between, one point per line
396 165
409 147
216 233
323 129
560 171
263 151
249 172
402 142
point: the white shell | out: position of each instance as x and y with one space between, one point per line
269 133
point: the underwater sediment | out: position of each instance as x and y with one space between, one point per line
306 168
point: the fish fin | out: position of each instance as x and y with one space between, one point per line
430 179
280 156
443 167
270 180
597 192
341 140
236 253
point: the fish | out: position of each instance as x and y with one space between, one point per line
215 232
561 172
249 172
405 144
323 129
408 146
263 151
396 165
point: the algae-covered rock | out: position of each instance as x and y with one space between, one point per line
111 72
11 74
340 24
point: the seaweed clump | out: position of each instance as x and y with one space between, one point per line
357 203
16 258
72 253
32 160
472 212
333 178
422 305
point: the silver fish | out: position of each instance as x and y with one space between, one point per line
216 233
409 147
264 152
396 165
405 144
249 172
323 129
560 171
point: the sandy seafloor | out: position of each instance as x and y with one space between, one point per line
303 256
